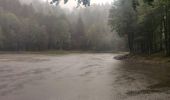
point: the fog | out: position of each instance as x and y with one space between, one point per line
88 50
72 3
58 27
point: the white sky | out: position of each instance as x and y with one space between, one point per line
73 3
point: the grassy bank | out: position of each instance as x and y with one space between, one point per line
152 59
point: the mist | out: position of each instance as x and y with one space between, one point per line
57 28
84 50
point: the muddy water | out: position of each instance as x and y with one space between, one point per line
80 77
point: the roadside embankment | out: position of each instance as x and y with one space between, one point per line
153 59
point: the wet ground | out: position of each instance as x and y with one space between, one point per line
80 77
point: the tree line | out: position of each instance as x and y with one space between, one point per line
42 26
146 24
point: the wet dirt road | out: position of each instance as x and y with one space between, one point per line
80 77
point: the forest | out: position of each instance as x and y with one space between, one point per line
146 24
140 26
84 49
36 26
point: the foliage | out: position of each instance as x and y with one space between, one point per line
149 31
40 26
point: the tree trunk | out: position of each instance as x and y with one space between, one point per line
130 40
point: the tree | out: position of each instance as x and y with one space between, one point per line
161 9
123 20
78 37
10 25
40 26
146 22
1 38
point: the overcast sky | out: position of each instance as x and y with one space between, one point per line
72 3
